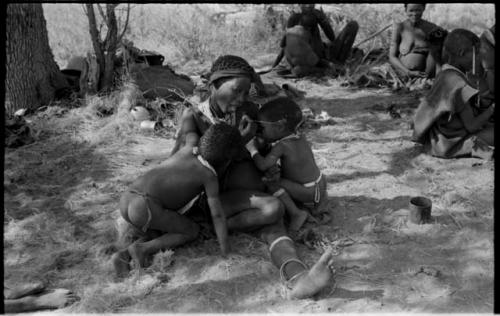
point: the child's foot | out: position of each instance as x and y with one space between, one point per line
121 264
58 298
24 290
137 254
314 280
298 220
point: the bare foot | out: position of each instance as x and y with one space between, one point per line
121 264
137 254
298 220
314 280
58 298
23 290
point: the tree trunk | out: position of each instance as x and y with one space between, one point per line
32 76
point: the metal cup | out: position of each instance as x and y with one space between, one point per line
420 210
149 126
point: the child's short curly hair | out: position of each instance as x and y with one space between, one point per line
458 42
219 144
282 108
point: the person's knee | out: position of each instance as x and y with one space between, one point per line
273 210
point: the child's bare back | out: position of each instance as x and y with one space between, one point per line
297 161
157 201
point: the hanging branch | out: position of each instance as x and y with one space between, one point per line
120 37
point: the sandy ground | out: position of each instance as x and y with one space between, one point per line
61 193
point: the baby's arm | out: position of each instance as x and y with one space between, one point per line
264 163
217 212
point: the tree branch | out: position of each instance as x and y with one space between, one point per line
125 25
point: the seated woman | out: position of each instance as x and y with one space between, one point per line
416 45
247 206
450 121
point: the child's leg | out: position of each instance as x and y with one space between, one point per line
178 229
296 215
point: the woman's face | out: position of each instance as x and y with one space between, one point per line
414 12
232 93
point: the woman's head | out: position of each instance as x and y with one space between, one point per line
230 80
414 11
460 47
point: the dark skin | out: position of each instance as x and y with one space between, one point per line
297 164
474 124
308 44
171 186
413 33
246 206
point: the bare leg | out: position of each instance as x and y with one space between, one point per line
300 193
120 262
296 215
307 282
178 229
56 299
314 280
249 210
23 290
487 134
341 47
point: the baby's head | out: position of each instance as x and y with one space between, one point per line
219 145
279 118
460 47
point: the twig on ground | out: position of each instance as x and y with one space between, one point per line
454 220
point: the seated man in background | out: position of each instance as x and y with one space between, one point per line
415 50
337 51
450 120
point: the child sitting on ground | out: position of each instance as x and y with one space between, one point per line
301 179
157 201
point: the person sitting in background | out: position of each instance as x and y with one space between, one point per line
336 52
301 180
415 50
450 121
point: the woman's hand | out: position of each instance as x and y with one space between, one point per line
416 73
247 127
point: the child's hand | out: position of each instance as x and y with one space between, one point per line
272 174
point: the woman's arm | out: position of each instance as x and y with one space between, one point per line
187 131
473 123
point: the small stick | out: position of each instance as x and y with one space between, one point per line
372 36
454 220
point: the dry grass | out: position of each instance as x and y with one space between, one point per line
245 30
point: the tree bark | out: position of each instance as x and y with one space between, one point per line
32 76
